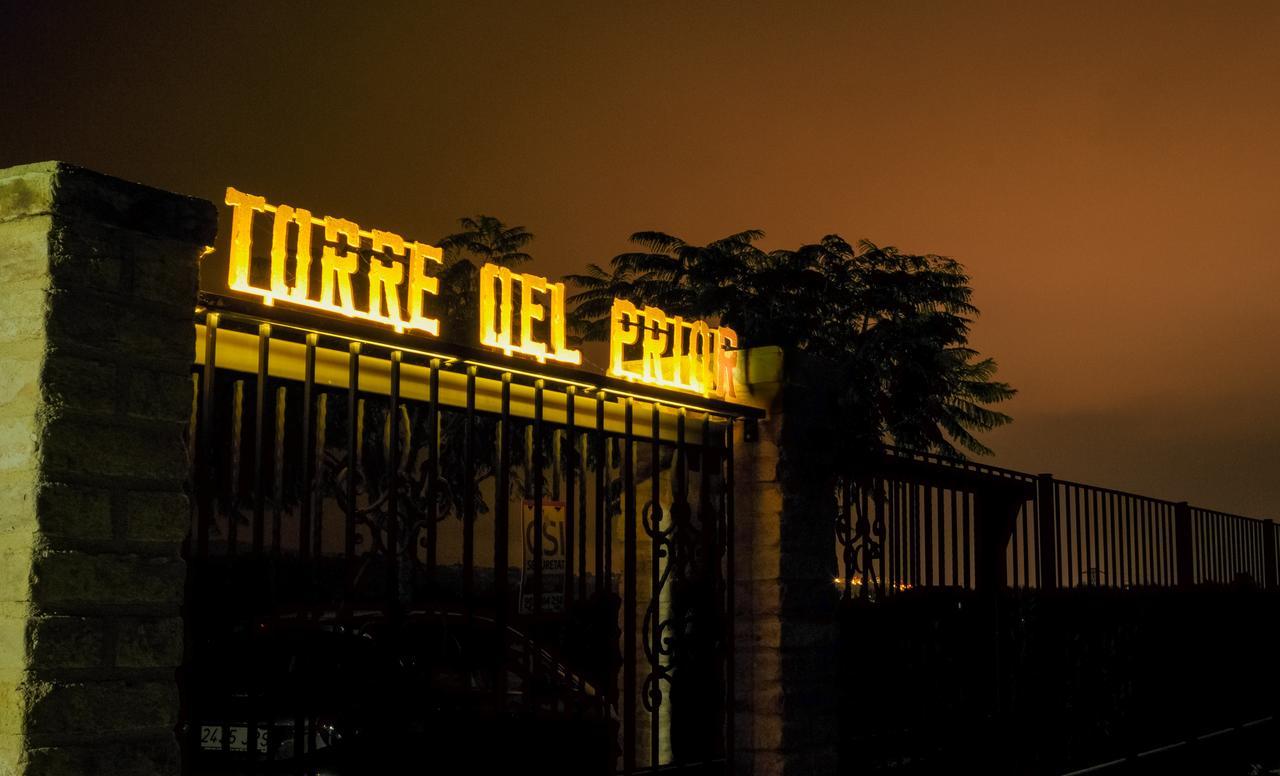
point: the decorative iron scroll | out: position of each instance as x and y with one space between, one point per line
660 631
860 532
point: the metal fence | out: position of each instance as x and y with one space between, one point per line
392 546
918 520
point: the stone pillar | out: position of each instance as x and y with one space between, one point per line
97 289
785 626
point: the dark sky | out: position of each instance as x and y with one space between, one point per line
1109 172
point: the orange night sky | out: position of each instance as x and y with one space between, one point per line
1109 172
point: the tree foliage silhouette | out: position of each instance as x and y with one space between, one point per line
886 331
483 239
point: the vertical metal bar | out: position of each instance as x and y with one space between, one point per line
914 511
1135 532
1062 502
629 595
1135 526
433 468
317 467
1113 551
881 529
1270 578
1091 532
1183 530
1255 550
259 434
353 461
1233 563
955 539
1046 531
1010 551
260 461
1210 542
1024 517
207 468
968 542
891 533
1218 534
1166 559
655 582
537 496
1150 516
730 596
469 494
1203 555
1215 543
1251 550
904 531
1077 520
1020 542
233 495
301 734
1126 541
204 468
277 475
1227 524
603 546
1221 541
1221 546
1061 512
580 460
501 533
570 511
393 485
1156 530
895 533
928 535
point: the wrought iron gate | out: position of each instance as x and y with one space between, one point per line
400 555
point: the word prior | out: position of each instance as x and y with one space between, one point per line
673 352
371 293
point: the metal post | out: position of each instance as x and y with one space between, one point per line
1182 539
1047 533
1269 556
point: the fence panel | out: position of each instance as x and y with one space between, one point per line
389 544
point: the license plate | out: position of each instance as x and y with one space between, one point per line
238 735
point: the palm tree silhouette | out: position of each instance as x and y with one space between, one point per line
483 239
885 332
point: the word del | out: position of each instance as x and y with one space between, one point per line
498 315
672 352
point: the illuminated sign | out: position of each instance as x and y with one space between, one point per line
671 352
373 276
380 277
538 301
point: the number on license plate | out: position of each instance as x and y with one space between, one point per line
238 735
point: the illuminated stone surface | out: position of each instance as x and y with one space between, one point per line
95 353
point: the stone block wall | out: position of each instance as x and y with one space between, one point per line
785 633
97 289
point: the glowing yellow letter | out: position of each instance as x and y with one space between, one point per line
342 265
726 361
280 254
420 283
558 349
243 207
500 336
624 329
384 279
655 342
531 311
